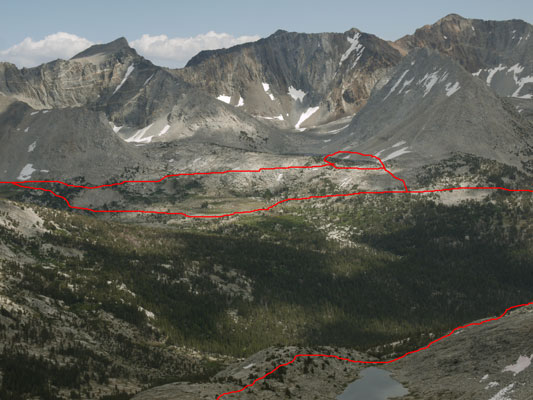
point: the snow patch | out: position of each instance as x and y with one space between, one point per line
266 88
338 129
164 130
148 80
280 176
248 366
359 55
128 73
484 378
405 84
399 143
31 147
46 111
396 84
397 153
34 113
503 394
491 385
493 71
26 172
310 111
430 80
516 69
240 103
224 98
27 129
451 89
116 128
138 137
521 83
296 94
280 117
521 364
354 46
477 73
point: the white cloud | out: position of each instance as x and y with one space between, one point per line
162 50
30 53
175 52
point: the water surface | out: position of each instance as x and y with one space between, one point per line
373 384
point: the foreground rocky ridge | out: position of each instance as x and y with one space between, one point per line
471 364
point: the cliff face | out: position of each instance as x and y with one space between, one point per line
288 73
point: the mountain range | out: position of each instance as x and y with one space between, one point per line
286 93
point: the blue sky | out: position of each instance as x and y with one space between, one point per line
99 21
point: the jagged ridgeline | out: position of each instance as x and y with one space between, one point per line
106 305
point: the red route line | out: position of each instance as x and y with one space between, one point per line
374 362
327 164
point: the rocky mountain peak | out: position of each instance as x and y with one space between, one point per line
352 31
452 18
119 45
279 32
